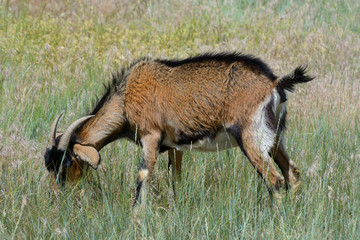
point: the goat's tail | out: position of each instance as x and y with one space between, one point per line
289 81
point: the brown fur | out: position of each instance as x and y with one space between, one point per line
162 100
107 123
153 102
164 105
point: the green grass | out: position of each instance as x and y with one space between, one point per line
57 56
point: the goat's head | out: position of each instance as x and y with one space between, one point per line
65 157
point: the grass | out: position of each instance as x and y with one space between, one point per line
56 56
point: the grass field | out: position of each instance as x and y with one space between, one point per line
56 55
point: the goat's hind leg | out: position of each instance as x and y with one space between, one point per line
287 167
262 162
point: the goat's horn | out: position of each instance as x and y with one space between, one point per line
53 130
65 139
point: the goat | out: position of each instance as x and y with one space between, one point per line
207 103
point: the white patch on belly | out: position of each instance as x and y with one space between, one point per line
222 140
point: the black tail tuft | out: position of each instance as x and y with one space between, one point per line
298 76
288 82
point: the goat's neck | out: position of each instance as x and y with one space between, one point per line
105 126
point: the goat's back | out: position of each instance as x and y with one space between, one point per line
194 96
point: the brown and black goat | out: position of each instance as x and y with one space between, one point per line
204 103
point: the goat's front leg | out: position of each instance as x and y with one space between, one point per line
150 144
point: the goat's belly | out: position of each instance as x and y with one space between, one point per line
221 141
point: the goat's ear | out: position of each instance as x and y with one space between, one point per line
87 154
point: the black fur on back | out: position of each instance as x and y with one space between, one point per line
119 79
228 57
